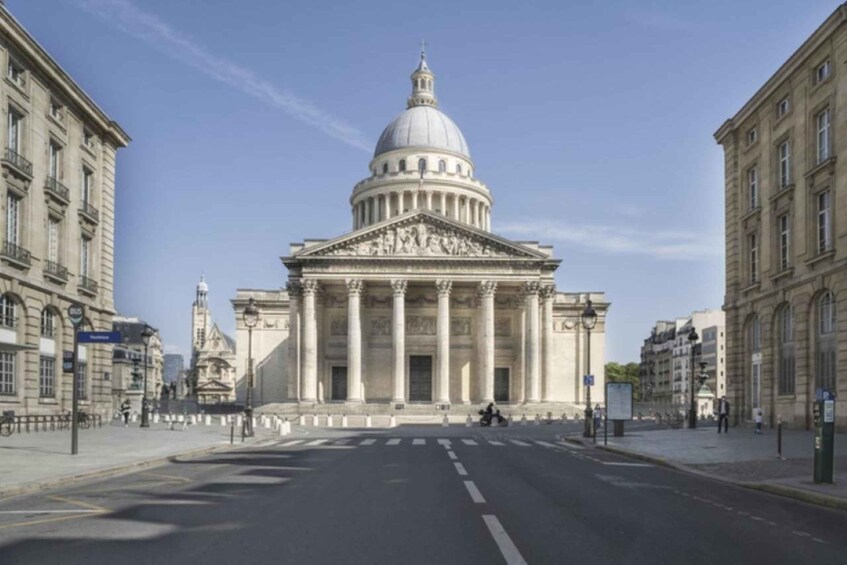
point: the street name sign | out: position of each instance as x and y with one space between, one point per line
619 401
588 380
99 337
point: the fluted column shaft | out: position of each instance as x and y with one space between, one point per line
309 391
533 346
294 291
548 294
398 335
444 203
443 340
486 293
354 340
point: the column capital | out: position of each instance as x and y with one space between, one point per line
355 287
444 286
548 291
399 286
487 288
294 288
531 287
310 286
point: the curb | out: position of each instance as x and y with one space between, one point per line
104 473
799 494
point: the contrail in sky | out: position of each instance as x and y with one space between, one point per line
156 33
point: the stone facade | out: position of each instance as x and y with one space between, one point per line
129 363
420 303
58 178
785 159
212 371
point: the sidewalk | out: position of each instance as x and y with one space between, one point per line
744 458
34 461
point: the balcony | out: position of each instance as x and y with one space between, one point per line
16 255
88 285
55 271
89 212
57 190
18 162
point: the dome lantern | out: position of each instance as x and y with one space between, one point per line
423 85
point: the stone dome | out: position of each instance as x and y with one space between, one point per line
422 126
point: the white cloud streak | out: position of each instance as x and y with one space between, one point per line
666 245
152 30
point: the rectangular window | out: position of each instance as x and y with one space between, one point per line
15 73
14 139
784 228
783 107
84 256
7 373
48 324
80 380
13 216
55 161
822 121
55 110
53 240
47 377
753 187
784 164
823 71
88 139
87 177
753 245
752 136
824 221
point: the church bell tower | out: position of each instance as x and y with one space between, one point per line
200 318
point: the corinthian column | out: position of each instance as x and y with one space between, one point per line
443 337
354 340
533 345
309 390
486 293
295 290
399 340
548 293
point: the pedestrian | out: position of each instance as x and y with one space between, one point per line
125 409
598 417
759 422
723 415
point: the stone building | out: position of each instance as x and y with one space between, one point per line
709 326
129 363
421 303
58 217
785 158
212 372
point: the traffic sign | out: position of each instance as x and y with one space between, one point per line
76 313
68 362
99 337
588 380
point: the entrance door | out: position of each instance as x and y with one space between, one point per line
339 383
501 384
420 378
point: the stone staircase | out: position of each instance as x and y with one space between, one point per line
422 412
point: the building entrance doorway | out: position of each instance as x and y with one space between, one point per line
339 384
501 384
420 378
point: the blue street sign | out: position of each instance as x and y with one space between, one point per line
588 380
99 337
68 362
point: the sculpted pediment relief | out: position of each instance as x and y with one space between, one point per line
421 235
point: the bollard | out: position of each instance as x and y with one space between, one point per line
537 419
344 420
511 420
254 423
285 428
329 420
779 437
368 421
315 420
468 422
445 422
134 417
208 419
523 419
392 422
155 418
180 418
239 421
267 423
223 420
301 421
231 432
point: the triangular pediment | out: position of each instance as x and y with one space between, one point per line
218 341
421 234
213 385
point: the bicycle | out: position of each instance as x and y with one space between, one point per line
83 420
7 423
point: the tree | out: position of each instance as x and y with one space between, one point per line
617 373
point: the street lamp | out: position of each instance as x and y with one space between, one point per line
692 411
146 334
589 320
251 318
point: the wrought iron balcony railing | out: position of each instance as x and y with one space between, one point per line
17 160
54 187
88 284
90 211
16 253
56 270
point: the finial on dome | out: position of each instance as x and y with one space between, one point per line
423 84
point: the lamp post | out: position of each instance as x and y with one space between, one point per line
692 410
146 334
251 318
589 320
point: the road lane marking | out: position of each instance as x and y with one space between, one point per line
392 442
74 502
518 442
492 442
570 445
344 441
460 469
418 442
445 442
469 442
476 496
618 464
317 442
295 442
451 455
546 444
171 477
370 441
46 520
504 542
74 511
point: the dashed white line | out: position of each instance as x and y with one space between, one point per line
476 496
619 464
444 442
370 441
392 442
469 442
317 442
519 442
290 443
344 441
492 442
451 455
460 469
504 542
418 442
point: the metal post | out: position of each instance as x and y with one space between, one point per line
248 404
75 397
779 437
692 411
589 414
145 414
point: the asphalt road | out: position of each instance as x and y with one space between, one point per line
415 496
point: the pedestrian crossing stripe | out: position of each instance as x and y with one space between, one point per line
352 441
393 442
519 442
418 442
368 441
469 442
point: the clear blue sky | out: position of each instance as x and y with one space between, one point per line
591 122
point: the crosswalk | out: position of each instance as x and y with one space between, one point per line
418 442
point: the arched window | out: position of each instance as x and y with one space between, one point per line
458 168
421 165
48 323
384 168
825 370
785 333
442 166
401 166
8 310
